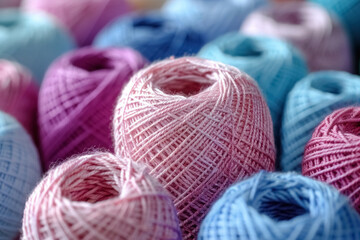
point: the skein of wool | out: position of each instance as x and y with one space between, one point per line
20 171
333 154
77 98
152 34
212 18
282 206
83 18
9 3
308 103
199 126
99 196
33 40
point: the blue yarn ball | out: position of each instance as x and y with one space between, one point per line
281 206
212 18
308 103
32 39
19 173
152 34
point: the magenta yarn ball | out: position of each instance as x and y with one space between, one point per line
77 98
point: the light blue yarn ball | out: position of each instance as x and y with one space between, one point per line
20 171
281 206
308 103
212 18
32 39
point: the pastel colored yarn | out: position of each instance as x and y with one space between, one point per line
333 154
18 94
33 40
9 3
99 196
152 34
310 101
83 18
199 126
282 206
77 99
20 171
212 18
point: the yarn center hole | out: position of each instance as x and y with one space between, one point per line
291 17
327 85
244 49
148 23
184 87
9 21
91 63
281 210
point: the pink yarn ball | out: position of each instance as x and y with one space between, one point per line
99 196
18 94
333 153
199 125
77 99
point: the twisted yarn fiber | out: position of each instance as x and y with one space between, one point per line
19 172
309 27
152 34
199 126
99 196
77 99
282 206
310 101
333 153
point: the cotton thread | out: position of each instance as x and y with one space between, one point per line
77 99
283 206
310 28
199 126
310 101
99 196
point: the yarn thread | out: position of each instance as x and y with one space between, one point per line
310 101
199 126
333 154
99 196
77 99
283 206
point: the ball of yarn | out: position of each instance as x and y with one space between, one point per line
77 99
199 126
212 18
99 196
281 206
310 28
20 171
34 40
275 65
83 18
152 34
308 103
9 3
333 154
18 94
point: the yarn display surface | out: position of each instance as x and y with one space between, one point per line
99 196
333 153
308 103
199 126
19 170
18 94
152 34
282 206
77 99
212 18
83 18
309 27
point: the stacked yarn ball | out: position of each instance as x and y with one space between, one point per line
309 27
281 206
333 153
153 35
20 171
99 196
310 101
199 126
77 98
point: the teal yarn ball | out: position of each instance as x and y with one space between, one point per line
32 39
20 171
281 206
308 103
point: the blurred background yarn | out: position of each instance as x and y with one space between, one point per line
143 5
9 3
